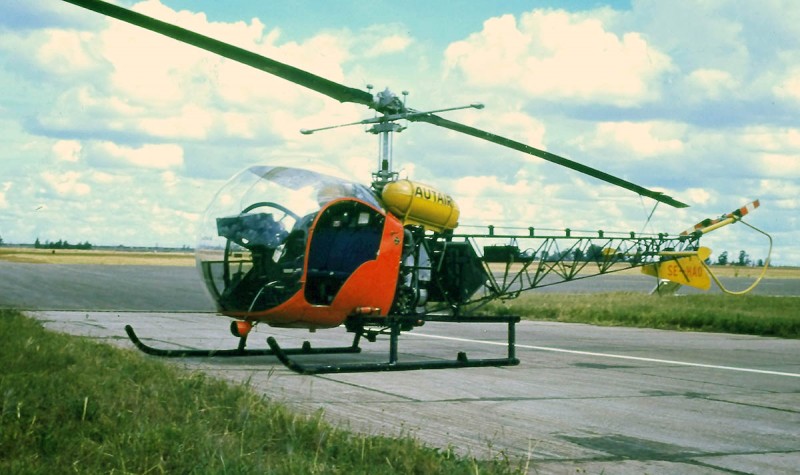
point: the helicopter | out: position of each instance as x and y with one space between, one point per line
296 248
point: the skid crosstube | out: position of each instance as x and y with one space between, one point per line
305 349
395 324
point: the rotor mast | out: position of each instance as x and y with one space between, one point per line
384 130
385 173
388 110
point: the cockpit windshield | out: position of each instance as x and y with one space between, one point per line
253 236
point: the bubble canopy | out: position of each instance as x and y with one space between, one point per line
254 231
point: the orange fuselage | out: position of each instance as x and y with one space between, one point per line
347 268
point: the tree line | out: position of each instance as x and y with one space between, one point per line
62 244
596 253
743 260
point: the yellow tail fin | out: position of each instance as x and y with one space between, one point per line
685 268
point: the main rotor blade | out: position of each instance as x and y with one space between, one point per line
482 134
316 83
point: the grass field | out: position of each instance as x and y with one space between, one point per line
752 315
97 257
72 405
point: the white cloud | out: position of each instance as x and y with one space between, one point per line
781 165
639 140
780 194
772 138
388 44
151 68
104 178
378 40
67 52
144 83
699 196
516 125
789 88
772 151
237 124
191 122
85 108
169 179
238 33
67 150
250 89
66 184
159 156
711 84
3 191
162 221
558 55
521 202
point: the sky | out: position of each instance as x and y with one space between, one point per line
118 136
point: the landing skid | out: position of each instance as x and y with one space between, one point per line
394 324
305 349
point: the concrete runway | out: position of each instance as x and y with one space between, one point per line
592 399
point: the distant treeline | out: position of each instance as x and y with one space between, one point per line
61 244
596 253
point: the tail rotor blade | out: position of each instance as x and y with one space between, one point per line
733 215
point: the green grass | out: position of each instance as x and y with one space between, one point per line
752 315
70 404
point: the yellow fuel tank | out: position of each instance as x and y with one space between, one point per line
417 203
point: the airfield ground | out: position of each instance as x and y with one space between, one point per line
99 257
585 398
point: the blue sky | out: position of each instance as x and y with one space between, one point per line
422 19
118 136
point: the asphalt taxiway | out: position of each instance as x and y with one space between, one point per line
585 398
179 289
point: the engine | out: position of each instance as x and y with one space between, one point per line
436 270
